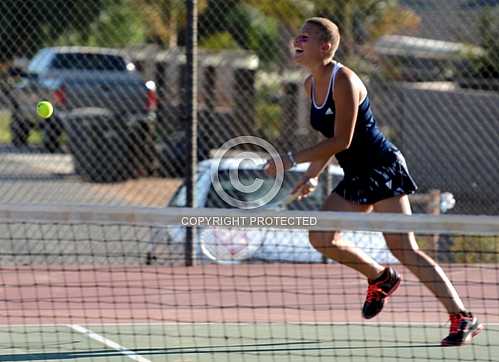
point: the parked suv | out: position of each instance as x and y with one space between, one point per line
78 77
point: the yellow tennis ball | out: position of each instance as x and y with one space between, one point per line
44 109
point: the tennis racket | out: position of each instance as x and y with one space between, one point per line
234 245
230 246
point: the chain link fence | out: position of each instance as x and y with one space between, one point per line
115 70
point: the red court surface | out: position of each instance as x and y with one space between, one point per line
238 293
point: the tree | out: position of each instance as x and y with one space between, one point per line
123 23
361 22
165 19
245 25
31 24
487 65
119 24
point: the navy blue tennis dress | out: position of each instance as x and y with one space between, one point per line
374 168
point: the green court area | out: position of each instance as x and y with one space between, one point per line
240 342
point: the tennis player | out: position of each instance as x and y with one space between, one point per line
376 178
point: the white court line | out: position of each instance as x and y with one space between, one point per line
108 342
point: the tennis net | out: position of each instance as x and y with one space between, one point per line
88 283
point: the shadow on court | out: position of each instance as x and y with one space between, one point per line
238 348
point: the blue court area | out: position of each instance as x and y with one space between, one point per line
240 342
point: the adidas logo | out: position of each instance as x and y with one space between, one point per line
329 111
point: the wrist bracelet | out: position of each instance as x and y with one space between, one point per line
313 181
292 159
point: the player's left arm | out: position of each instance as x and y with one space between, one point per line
346 99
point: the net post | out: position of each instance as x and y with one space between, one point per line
192 121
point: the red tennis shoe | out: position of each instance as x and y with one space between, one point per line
378 292
463 327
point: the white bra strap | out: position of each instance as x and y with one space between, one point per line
330 87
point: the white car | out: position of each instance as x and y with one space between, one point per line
231 245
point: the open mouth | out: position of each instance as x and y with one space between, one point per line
298 51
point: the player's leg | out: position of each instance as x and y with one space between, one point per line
382 281
404 247
330 243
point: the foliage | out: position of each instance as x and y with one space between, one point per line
487 64
219 41
165 19
31 24
35 137
248 26
467 249
268 112
118 25
130 22
256 31
257 25
289 12
362 23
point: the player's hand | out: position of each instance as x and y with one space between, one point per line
270 168
305 187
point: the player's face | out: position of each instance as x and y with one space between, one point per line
308 46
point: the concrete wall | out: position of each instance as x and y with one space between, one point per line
450 138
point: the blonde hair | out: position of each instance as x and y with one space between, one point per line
328 32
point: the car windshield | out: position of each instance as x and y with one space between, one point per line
247 177
89 61
40 61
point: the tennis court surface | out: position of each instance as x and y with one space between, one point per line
77 288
